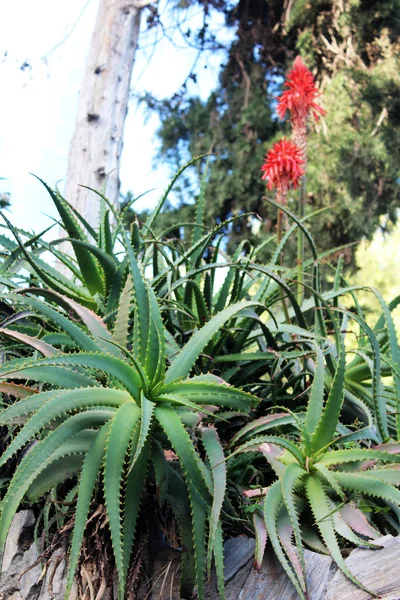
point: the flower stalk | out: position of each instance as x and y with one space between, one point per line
286 164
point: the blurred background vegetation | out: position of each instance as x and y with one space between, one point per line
352 47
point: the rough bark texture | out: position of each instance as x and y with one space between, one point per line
97 141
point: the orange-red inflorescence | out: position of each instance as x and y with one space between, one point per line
299 98
283 167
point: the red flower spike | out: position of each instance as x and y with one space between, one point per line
283 167
299 98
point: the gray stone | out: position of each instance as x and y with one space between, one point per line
271 582
29 578
237 553
20 532
378 570
54 582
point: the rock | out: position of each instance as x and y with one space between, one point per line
29 579
19 554
378 570
55 580
20 532
237 553
271 582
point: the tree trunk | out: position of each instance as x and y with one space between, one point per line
96 146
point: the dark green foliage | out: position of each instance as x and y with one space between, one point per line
353 49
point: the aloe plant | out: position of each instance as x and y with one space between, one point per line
109 403
145 349
320 479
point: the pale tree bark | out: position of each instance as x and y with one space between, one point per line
96 145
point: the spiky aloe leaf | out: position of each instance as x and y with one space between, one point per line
216 457
321 510
148 333
56 376
89 267
64 468
148 339
192 465
59 406
292 476
225 290
84 222
386 475
83 340
211 393
312 540
105 261
326 427
330 479
357 520
89 475
346 532
200 204
368 485
134 488
116 287
272 506
182 401
199 510
121 325
93 322
261 534
51 277
59 472
185 360
201 310
264 424
105 237
377 397
271 439
173 489
146 416
394 351
119 439
337 457
16 390
124 373
285 533
42 347
40 456
316 401
18 412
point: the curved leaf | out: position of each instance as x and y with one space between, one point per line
186 358
89 475
119 439
40 456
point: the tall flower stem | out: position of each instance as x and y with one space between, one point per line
278 239
300 243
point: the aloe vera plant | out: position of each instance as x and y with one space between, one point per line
117 392
320 479
145 350
115 426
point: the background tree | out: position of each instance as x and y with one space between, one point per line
353 48
96 146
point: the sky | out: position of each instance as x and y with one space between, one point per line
38 103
